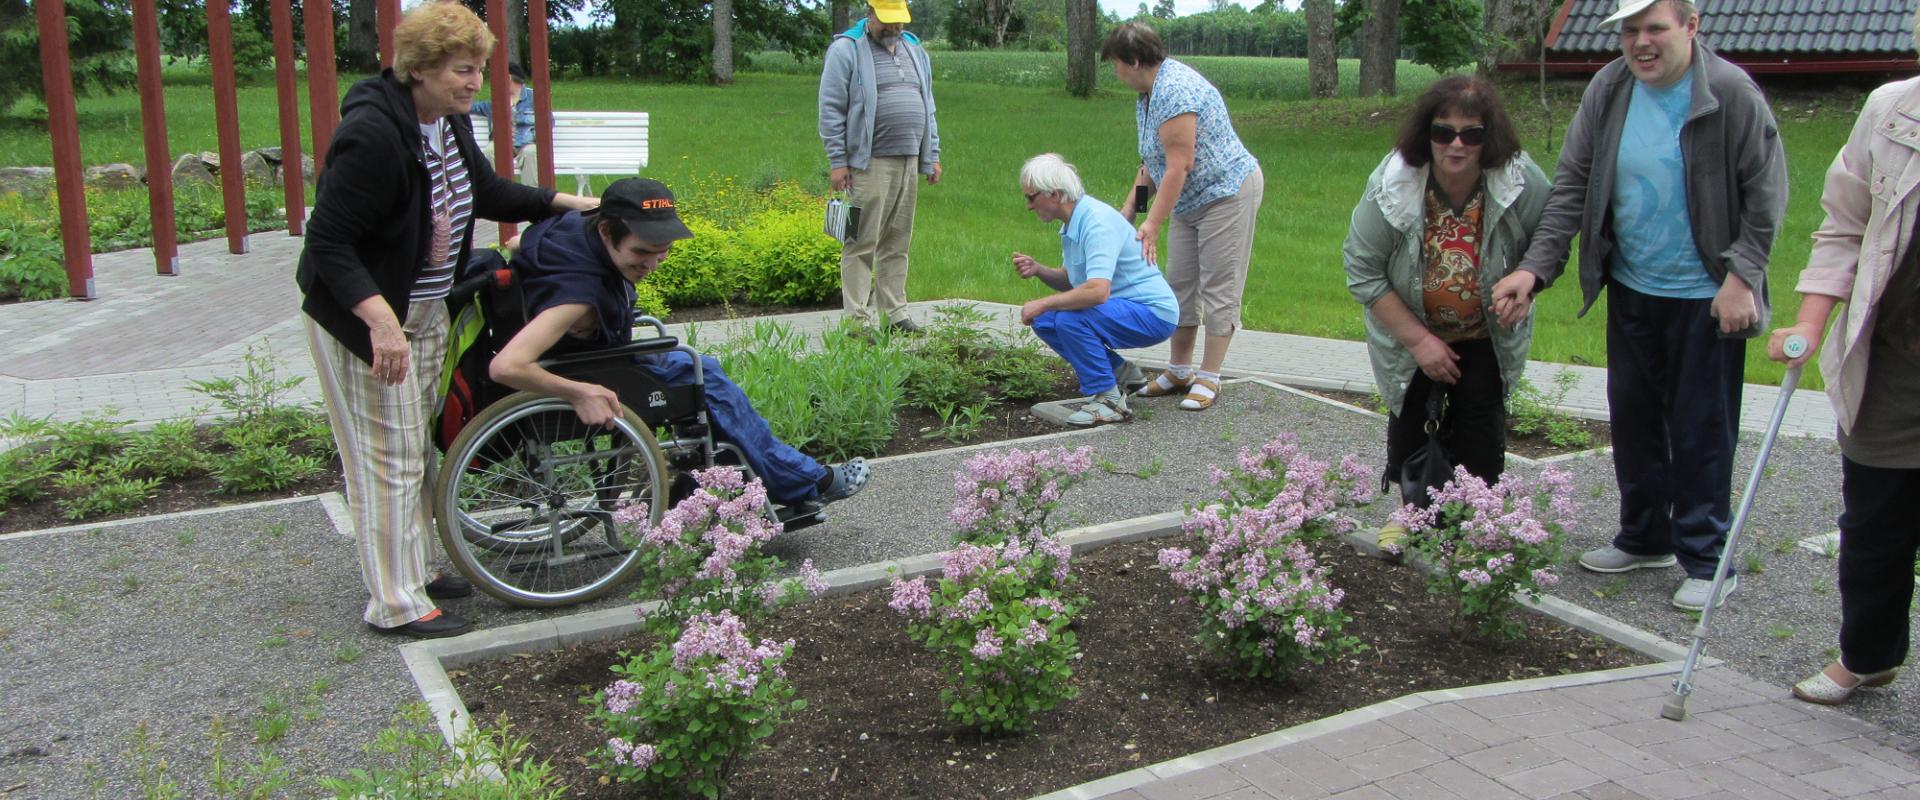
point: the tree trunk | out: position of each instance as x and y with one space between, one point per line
723 42
1323 64
840 15
516 31
1082 27
1379 47
362 53
1514 30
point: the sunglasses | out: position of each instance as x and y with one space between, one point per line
1471 137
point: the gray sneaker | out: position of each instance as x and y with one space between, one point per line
1613 559
1130 378
1692 594
1102 409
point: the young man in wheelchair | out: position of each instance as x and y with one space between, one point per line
576 273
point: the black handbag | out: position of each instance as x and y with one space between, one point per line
1429 465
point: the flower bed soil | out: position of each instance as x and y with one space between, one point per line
1148 692
1530 445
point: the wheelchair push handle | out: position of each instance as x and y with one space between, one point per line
466 289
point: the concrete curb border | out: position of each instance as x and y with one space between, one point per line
324 498
428 661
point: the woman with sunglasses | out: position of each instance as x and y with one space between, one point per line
1445 216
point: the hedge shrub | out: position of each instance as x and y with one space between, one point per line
794 262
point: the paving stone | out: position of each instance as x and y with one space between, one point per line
1669 785
1726 721
1243 793
1765 773
1275 779
1368 792
1644 760
1814 731
1553 779
1846 781
1471 724
1609 791
1198 783
1464 781
1513 705
1507 759
1394 759
1413 786
1654 731
1436 734
1896 793
1733 780
1901 768
1770 715
1357 739
1577 752
1317 767
1706 749
1557 721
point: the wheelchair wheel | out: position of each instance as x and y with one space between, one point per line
525 500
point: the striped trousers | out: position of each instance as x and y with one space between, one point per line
382 432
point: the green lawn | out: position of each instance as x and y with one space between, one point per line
1316 157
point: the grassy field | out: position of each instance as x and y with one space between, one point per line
996 109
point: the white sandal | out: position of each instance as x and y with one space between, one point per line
1825 691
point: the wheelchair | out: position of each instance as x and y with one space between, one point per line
525 495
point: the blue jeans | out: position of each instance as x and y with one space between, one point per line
1088 338
789 475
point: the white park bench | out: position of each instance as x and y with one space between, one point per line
588 143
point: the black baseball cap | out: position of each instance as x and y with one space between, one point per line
647 208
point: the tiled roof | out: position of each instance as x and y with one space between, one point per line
1765 26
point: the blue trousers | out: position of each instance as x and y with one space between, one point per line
1673 387
789 475
1089 338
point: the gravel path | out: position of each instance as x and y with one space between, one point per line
173 623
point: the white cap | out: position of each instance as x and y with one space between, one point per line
1628 8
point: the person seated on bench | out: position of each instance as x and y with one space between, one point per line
577 272
1107 296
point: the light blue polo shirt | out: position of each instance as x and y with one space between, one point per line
1654 252
1098 243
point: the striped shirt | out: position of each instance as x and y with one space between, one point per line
900 120
452 202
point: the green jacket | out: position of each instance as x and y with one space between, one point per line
1382 255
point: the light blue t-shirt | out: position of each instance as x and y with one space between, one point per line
1097 242
1654 252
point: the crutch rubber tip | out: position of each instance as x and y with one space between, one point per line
1675 709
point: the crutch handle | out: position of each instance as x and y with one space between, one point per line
1795 346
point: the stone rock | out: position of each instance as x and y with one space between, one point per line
191 168
211 159
115 176
271 155
29 181
258 169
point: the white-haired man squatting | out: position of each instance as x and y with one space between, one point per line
1106 296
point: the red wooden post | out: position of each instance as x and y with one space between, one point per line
153 128
542 88
287 91
226 116
56 75
386 16
323 89
503 98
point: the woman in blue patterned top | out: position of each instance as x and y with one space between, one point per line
1209 190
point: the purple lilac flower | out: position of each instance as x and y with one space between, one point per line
621 696
986 645
1034 634
811 579
912 598
638 756
1545 578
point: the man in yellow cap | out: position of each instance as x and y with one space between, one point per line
876 119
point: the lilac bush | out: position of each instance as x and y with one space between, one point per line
998 621
705 554
681 716
1266 602
1490 543
1013 492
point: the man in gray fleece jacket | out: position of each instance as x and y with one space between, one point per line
1674 177
876 119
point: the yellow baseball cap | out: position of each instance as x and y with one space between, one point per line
890 11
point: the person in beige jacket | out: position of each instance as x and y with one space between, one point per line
1863 256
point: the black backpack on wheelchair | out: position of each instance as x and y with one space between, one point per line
526 495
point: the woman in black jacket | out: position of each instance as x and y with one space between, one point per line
393 220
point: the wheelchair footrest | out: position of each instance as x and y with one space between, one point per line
804 515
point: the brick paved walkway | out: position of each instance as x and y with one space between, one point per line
1599 740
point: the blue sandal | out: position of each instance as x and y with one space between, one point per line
848 480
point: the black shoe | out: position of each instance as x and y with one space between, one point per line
440 627
449 587
906 325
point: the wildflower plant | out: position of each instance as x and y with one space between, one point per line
1267 604
681 717
1490 543
998 621
705 554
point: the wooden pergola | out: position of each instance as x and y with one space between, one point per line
323 114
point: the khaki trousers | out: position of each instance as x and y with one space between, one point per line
1208 251
382 434
873 267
